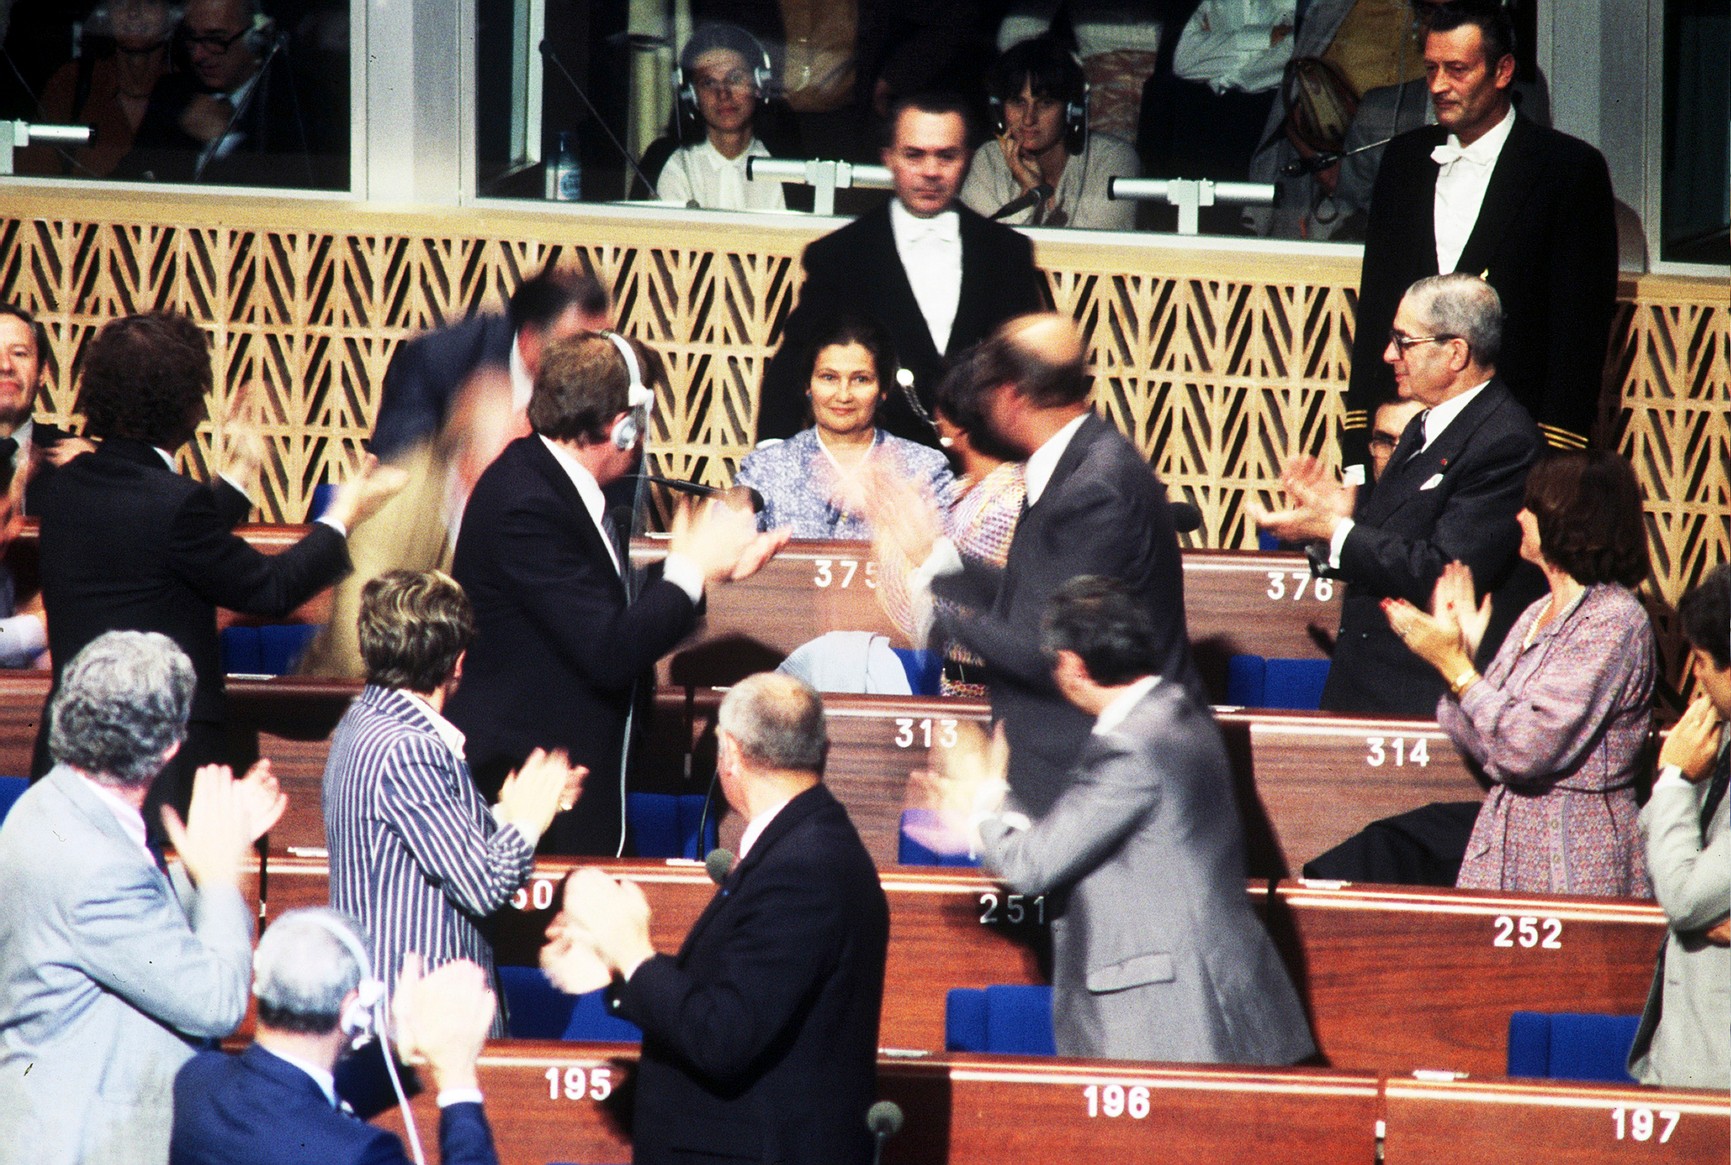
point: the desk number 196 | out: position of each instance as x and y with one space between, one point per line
1115 1100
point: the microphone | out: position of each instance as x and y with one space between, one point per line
1316 163
718 863
1186 518
1023 201
547 51
884 1119
698 489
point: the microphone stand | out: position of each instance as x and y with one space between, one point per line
262 79
547 51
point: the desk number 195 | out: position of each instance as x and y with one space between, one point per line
577 1084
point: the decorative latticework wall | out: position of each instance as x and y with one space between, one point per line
1220 363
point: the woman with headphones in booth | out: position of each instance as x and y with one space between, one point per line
1039 99
722 79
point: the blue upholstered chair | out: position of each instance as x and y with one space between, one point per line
1570 1046
1012 1019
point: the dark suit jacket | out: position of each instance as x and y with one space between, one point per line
128 544
43 437
1104 513
558 646
1405 533
1546 239
425 373
856 269
760 1037
260 1109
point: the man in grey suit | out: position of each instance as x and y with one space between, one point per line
1156 953
1685 1034
108 965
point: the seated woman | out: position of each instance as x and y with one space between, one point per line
814 482
1559 718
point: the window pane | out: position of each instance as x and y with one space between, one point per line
1695 214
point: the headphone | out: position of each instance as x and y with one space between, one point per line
1075 108
638 399
360 1018
259 35
718 36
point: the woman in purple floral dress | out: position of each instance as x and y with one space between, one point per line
1559 719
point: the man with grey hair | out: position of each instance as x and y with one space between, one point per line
109 963
760 1035
276 1103
1450 493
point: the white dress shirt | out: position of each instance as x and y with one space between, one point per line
702 174
1114 714
1461 185
127 814
1044 460
930 250
755 829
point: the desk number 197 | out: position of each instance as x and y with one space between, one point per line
1636 1124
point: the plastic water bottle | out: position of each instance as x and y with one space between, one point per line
565 172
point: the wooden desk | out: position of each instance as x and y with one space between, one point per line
1397 979
1499 1122
567 1102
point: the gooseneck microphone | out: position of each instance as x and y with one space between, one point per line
547 51
718 863
884 1119
1316 163
1023 201
698 489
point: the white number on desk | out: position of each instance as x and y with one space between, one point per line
1636 1124
537 895
577 1084
1321 589
1544 933
849 567
907 728
1382 750
1016 907
1114 1100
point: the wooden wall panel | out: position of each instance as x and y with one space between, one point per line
1220 363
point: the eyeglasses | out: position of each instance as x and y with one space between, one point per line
215 42
1382 440
1405 342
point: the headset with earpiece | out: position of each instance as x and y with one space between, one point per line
259 34
729 37
638 399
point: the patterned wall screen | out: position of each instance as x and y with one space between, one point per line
1220 364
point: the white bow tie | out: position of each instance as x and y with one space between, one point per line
1444 154
942 228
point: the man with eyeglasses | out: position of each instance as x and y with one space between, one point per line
1450 492
1489 192
235 117
722 74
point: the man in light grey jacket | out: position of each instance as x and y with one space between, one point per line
1156 952
1685 1034
108 965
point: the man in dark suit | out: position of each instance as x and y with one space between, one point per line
1094 507
1450 493
27 445
425 374
760 1036
129 544
1489 192
1156 953
933 272
276 1103
564 629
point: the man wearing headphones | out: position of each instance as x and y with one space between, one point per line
723 75
1039 98
277 1102
564 628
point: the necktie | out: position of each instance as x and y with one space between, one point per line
1411 441
1715 790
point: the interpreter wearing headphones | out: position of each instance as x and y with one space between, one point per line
723 76
1045 168
277 1103
565 628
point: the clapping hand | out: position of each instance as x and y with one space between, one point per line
969 783
611 916
226 816
722 541
1317 504
545 784
1454 603
442 1019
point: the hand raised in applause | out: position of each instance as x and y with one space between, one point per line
361 496
242 438
547 783
722 541
1455 604
442 1018
226 816
1317 504
905 520
612 915
67 448
1693 743
969 784
569 959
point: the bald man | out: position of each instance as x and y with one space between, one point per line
1094 507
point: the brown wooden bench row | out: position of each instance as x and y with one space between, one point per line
1236 601
1393 979
570 1102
